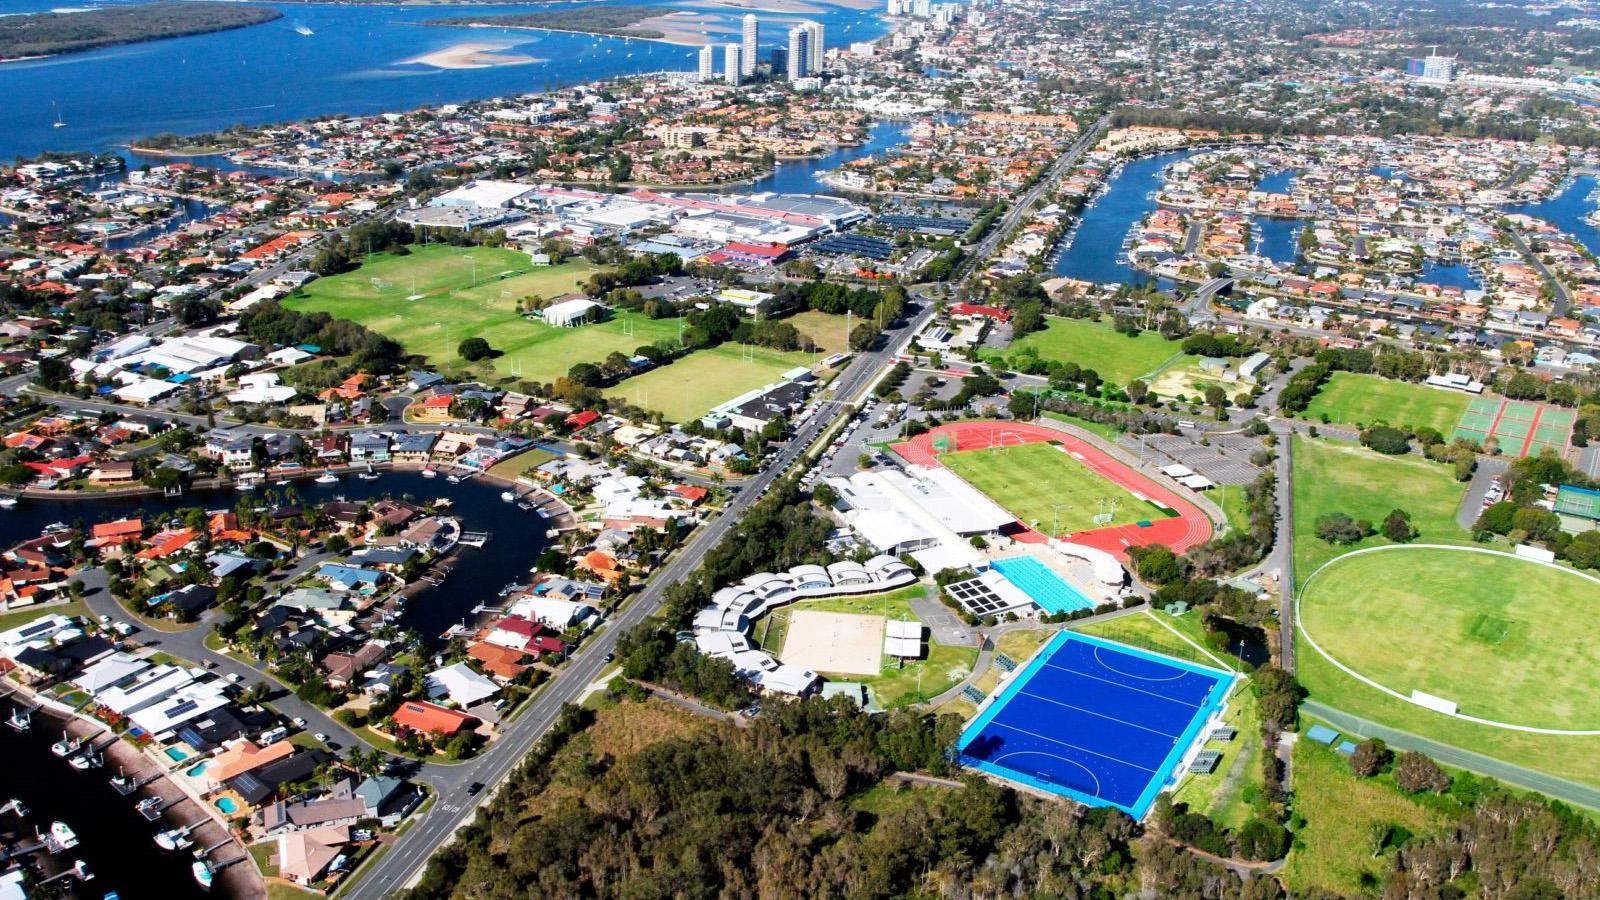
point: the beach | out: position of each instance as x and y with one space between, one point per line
471 56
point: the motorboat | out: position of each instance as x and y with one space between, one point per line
66 746
281 482
85 761
429 473
368 475
175 839
507 497
8 503
453 479
201 870
327 478
62 835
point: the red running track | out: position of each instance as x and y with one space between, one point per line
1190 528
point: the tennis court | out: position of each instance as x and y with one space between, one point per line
1096 721
1519 427
1053 593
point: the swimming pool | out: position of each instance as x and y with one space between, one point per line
1044 587
196 771
176 755
227 805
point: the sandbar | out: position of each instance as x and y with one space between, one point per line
471 56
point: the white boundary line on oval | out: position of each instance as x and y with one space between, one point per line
1300 625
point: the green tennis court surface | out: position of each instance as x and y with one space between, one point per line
1519 427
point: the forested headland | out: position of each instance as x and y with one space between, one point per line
49 33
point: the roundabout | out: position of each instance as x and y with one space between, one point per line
1507 640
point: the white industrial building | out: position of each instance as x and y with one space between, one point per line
486 195
568 313
929 513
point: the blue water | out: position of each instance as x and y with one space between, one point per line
1455 275
1388 173
1095 252
1045 587
1276 182
354 63
1279 238
800 176
1096 721
1566 211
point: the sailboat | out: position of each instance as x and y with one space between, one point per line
59 123
303 31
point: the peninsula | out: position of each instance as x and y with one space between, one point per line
31 35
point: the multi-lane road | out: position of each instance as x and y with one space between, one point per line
453 807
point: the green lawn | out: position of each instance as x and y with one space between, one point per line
1507 639
688 388
1352 399
521 464
450 308
895 685
1046 488
1142 630
1334 477
20 617
1105 431
1231 498
1094 345
826 330
1334 850
1230 794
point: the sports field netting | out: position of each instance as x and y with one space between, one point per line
1096 721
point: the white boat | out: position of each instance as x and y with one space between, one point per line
8 503
20 721
282 482
56 526
507 496
66 746
453 479
202 873
245 486
174 839
429 473
303 31
63 836
368 475
327 478
83 762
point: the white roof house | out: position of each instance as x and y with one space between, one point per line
147 688
116 669
459 684
551 612
39 634
187 705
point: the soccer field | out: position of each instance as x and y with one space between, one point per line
1505 638
1094 345
429 301
1046 488
689 387
1351 399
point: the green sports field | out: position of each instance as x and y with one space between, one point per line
1332 477
1352 399
1507 639
1094 345
689 387
1045 487
429 301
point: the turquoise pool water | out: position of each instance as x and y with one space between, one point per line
196 771
176 755
1043 586
227 805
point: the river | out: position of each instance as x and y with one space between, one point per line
116 841
354 62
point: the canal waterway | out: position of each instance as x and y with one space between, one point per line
116 842
1566 210
1094 249
358 59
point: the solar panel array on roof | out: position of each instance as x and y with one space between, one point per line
855 245
925 224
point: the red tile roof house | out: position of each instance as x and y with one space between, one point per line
428 718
